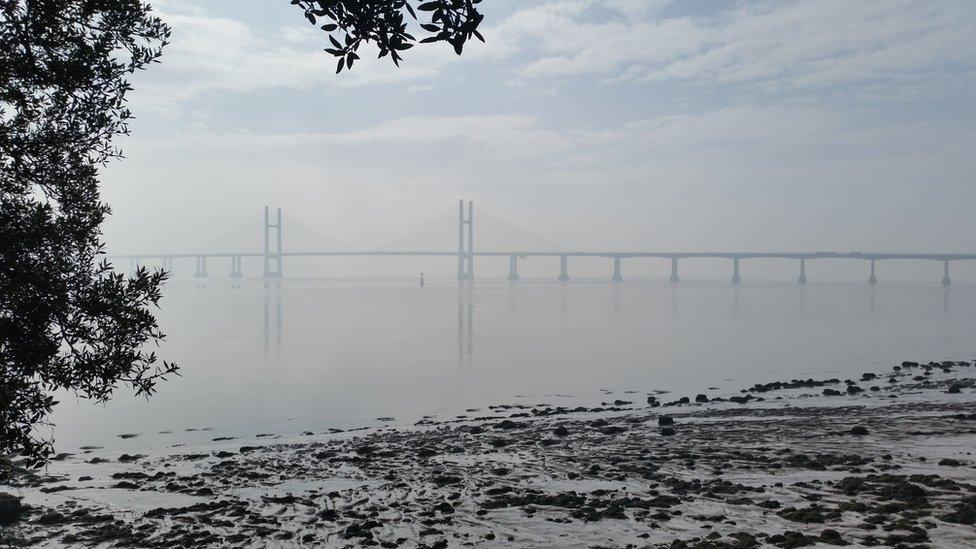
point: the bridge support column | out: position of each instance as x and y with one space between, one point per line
201 271
872 280
235 267
513 275
803 272
616 270
563 269
735 271
945 277
168 264
674 270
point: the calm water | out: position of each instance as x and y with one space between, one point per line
309 355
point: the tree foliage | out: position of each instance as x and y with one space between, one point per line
67 321
350 23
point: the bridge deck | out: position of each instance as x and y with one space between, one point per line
542 253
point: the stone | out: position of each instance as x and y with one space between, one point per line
11 508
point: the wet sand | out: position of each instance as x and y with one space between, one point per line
881 460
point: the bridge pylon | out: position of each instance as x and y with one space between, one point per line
272 259
465 255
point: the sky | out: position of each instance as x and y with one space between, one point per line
594 124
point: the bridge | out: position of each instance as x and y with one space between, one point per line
273 255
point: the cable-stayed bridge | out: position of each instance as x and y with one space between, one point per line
274 252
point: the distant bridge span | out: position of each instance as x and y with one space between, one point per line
465 254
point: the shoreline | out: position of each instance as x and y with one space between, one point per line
884 460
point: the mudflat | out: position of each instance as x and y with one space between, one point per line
881 460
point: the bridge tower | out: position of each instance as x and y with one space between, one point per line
872 280
465 272
946 281
803 272
272 260
736 279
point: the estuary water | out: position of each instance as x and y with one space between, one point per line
308 355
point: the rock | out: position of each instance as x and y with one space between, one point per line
127 458
964 512
701 398
854 389
11 508
444 508
831 392
832 537
446 480
955 388
811 515
621 402
949 462
667 431
51 517
561 431
665 420
859 430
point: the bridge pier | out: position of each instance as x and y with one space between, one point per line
616 270
563 271
235 267
803 272
872 280
201 271
736 279
946 281
168 264
513 275
674 270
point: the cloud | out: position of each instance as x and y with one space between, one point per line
802 44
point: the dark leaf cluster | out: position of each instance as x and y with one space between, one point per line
69 324
350 23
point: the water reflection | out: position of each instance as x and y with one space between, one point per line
272 315
562 301
465 323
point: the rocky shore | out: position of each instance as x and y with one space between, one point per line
883 460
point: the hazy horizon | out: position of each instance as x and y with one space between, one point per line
622 125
